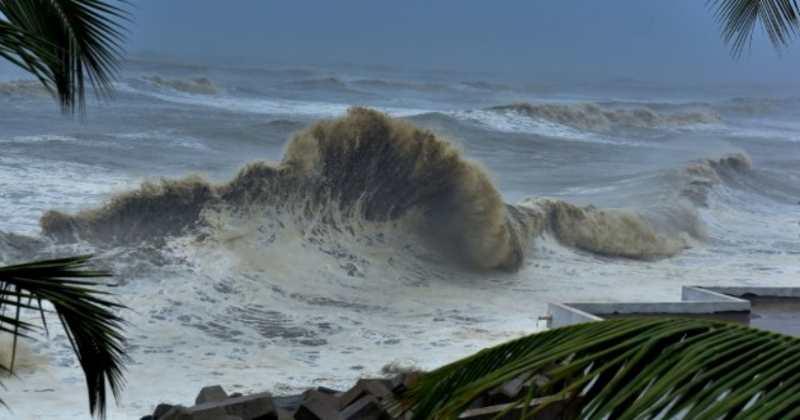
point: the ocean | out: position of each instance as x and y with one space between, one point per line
280 227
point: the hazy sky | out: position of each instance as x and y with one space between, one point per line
675 40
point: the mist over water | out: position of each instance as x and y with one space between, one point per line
268 235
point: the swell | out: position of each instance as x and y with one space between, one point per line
604 117
368 167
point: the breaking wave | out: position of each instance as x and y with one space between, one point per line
200 85
368 168
598 117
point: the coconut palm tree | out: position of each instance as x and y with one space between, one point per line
739 18
67 45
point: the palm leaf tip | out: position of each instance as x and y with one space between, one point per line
65 44
739 18
629 368
90 320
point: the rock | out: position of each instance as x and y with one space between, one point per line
284 414
183 413
318 406
322 394
366 408
147 417
289 402
378 388
211 393
161 409
250 407
327 390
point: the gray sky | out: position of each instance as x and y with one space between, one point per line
668 40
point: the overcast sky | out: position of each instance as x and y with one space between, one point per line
669 40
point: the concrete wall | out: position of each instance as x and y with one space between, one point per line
694 301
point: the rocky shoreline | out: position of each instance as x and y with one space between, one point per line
368 399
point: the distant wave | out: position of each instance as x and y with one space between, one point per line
22 88
401 85
513 122
257 105
707 173
481 85
322 83
200 85
369 168
757 106
599 117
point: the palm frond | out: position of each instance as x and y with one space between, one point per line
629 368
64 43
88 317
738 19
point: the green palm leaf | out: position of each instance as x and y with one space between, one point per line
88 317
738 19
64 43
628 369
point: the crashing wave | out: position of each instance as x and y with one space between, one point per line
597 117
371 168
200 85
